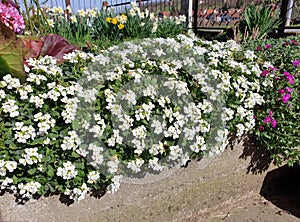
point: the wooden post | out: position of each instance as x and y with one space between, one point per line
68 3
104 5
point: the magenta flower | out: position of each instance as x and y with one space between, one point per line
267 119
286 43
289 77
289 90
273 123
296 62
285 98
258 48
10 17
261 128
281 91
294 42
264 73
270 113
267 46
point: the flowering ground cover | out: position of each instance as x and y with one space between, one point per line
278 119
137 107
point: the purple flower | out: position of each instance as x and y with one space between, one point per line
286 97
289 90
294 42
258 48
261 128
296 62
270 113
289 77
267 46
286 43
273 123
281 91
264 73
267 119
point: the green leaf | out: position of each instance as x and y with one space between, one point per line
50 171
32 171
11 54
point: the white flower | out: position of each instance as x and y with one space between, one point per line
67 172
115 185
30 156
93 176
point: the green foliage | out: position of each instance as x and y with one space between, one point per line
11 54
258 21
282 104
105 28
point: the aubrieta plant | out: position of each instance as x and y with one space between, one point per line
134 108
278 128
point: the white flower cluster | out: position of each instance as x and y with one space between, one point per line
69 113
45 122
11 107
93 176
68 171
6 184
77 56
23 133
7 165
30 156
79 193
99 128
28 189
46 64
115 185
71 142
96 158
10 82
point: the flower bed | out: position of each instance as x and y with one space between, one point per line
139 107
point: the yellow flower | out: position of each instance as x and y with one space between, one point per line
108 19
120 26
114 21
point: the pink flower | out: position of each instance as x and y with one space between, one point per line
273 123
281 91
289 77
264 73
285 98
286 43
258 48
289 90
270 113
10 17
296 62
261 128
267 119
294 42
267 46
